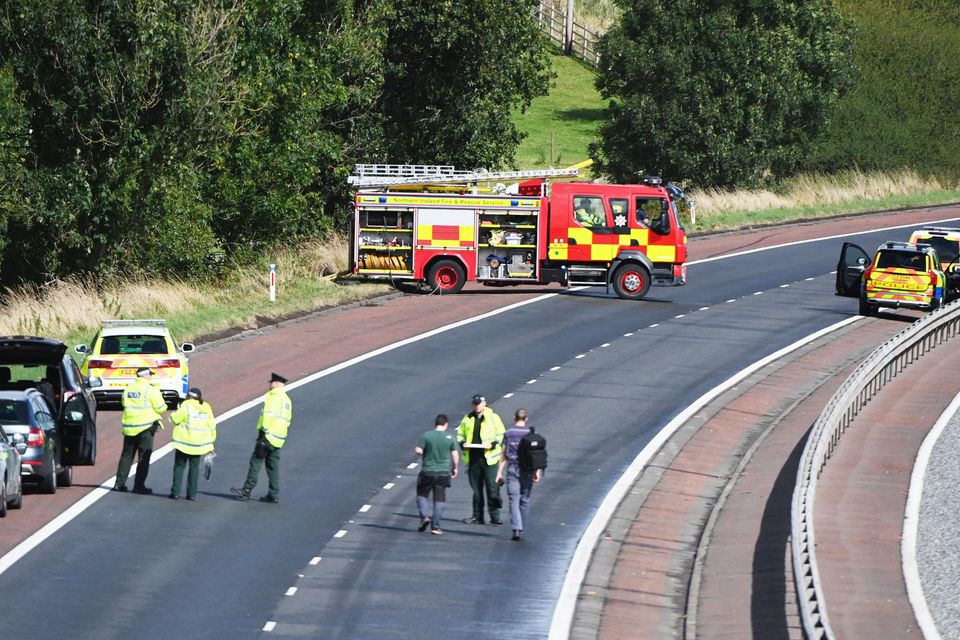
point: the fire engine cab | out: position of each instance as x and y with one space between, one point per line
431 224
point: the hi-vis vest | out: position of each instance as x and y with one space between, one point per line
491 430
276 416
195 429
143 405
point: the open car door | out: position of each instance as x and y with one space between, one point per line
853 262
79 433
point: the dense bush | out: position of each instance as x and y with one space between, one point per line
718 93
904 111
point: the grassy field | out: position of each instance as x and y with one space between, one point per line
561 125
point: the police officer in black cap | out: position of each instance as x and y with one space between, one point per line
271 436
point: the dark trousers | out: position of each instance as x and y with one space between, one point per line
142 445
483 479
181 460
273 472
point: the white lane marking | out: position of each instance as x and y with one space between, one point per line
911 524
509 395
315 560
605 345
582 355
340 534
551 369
291 591
577 570
365 508
412 465
269 626
679 316
731 300
758 293
655 324
808 279
389 485
808 241
784 286
703 308
531 381
833 273
626 335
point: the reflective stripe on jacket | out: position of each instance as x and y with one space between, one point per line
491 430
195 429
276 416
143 404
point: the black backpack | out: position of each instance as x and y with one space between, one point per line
532 452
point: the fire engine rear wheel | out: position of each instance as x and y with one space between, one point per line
446 276
631 281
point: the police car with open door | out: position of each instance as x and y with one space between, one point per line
899 275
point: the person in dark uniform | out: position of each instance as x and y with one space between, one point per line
271 436
480 435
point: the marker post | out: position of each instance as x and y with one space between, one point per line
273 283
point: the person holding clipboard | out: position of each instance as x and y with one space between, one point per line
480 435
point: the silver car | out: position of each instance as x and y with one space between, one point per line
11 489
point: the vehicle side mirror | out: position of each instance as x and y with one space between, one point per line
75 416
187 347
80 348
94 382
861 261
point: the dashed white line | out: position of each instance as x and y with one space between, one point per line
269 626
758 293
731 300
628 334
655 324
315 560
703 308
605 345
390 485
412 465
679 316
554 368
365 508
582 355
509 395
340 534
784 286
531 381
809 279
291 591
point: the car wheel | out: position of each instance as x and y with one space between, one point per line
49 483
3 499
446 276
631 281
18 501
866 309
65 477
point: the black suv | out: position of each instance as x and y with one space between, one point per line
28 362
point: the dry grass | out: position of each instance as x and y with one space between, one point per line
817 190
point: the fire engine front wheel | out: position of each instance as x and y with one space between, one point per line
446 276
631 281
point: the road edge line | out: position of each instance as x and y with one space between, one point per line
911 524
563 613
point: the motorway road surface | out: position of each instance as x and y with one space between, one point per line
340 557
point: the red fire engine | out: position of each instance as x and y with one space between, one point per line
581 234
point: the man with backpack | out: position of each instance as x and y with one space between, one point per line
523 464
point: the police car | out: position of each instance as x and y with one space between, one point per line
900 274
122 346
946 242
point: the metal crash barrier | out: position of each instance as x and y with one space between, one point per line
879 368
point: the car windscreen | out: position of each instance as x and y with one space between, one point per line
24 376
13 412
948 250
133 344
902 260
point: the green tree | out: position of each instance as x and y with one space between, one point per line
454 72
719 93
14 138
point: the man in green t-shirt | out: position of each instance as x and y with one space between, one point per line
441 460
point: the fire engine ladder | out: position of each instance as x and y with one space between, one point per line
386 175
